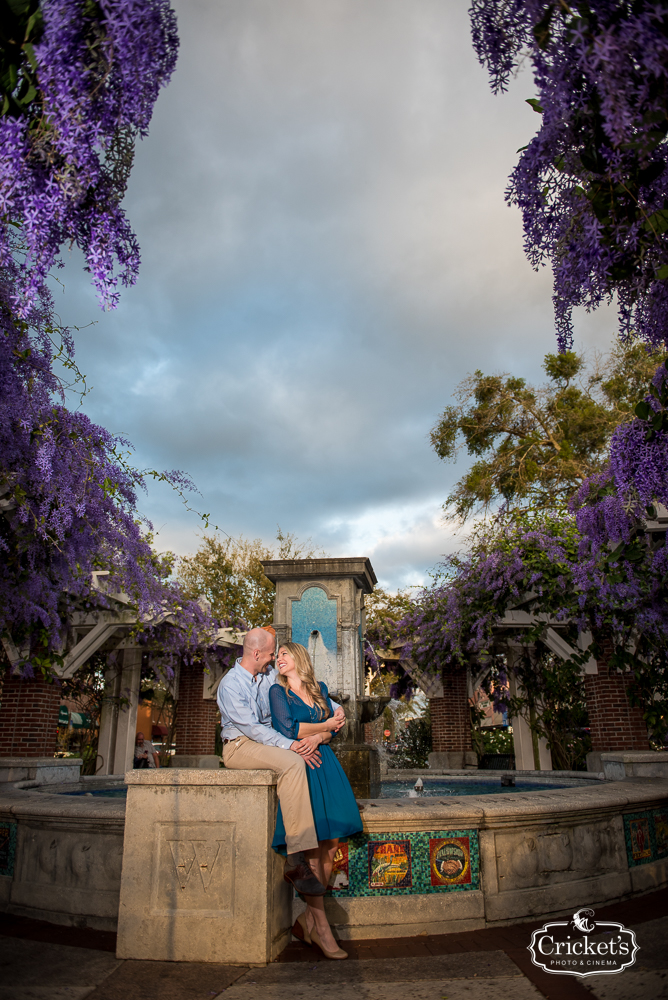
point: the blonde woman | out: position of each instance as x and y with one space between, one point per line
301 709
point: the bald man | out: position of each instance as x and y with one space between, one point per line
249 741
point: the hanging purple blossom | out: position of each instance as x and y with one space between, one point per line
592 185
93 72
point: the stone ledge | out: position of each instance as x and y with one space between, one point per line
622 764
40 761
46 770
200 776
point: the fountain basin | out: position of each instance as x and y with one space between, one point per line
431 864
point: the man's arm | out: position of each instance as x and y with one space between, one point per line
240 711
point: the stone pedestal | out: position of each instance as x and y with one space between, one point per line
204 762
456 760
361 762
45 770
197 848
617 766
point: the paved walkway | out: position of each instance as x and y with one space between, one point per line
40 961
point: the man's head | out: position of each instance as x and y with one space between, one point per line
140 738
259 646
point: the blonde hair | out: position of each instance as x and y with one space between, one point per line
304 669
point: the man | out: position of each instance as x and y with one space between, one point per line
145 753
249 741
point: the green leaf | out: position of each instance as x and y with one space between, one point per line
30 53
535 104
662 272
642 410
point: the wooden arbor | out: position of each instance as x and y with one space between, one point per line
29 707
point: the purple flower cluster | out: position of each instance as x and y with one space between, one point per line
592 185
65 160
68 502
68 499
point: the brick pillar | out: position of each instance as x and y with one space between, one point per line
613 723
451 723
28 717
197 718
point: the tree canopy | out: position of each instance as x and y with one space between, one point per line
227 573
535 445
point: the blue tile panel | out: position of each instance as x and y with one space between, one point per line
315 612
7 847
646 836
407 864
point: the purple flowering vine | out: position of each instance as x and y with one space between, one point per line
94 71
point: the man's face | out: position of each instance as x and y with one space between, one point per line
265 657
140 738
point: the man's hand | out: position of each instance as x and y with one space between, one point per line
308 749
338 720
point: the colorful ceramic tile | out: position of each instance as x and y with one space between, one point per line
340 877
390 864
641 845
7 848
450 861
363 846
661 832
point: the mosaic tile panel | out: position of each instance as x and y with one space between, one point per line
388 864
646 836
7 847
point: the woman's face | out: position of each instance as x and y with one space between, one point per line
286 663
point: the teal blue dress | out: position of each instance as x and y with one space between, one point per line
335 811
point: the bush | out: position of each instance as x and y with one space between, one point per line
413 746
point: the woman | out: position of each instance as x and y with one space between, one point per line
300 707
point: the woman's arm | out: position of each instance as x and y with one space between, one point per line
311 728
281 716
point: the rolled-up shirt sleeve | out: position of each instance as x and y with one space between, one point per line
281 716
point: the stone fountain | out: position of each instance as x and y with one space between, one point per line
320 604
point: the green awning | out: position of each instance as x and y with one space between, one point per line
81 720
63 716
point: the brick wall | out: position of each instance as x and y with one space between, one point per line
197 719
450 716
28 717
613 723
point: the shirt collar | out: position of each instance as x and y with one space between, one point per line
250 678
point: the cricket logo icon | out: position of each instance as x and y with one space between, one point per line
583 946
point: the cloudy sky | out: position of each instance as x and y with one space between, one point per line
326 254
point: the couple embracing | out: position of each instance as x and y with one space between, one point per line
280 717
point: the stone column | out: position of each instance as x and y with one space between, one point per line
28 717
118 722
451 725
531 751
614 724
197 721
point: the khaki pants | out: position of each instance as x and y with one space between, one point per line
293 791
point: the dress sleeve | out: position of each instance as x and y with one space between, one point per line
281 716
325 694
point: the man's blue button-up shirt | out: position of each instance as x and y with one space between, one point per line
243 701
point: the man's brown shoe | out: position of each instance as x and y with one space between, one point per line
300 874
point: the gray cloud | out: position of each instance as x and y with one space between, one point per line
326 253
